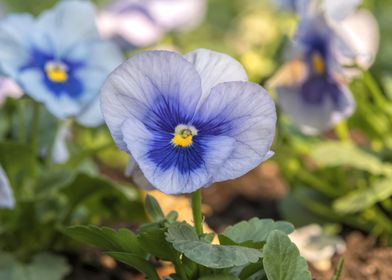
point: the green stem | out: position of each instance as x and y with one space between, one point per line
374 89
196 210
35 128
22 124
342 132
180 270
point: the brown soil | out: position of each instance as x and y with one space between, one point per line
363 260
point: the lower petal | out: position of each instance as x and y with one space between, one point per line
174 172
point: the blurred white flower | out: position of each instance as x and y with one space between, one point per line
8 88
317 247
141 23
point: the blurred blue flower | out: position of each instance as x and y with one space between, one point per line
6 196
311 88
308 88
188 121
59 59
141 23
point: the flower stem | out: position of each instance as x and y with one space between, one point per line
196 210
35 128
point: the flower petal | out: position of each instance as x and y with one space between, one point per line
215 68
6 196
14 30
338 9
145 83
245 112
133 170
91 116
63 27
178 176
315 115
360 34
178 14
61 107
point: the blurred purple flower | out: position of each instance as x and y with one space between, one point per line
141 23
311 88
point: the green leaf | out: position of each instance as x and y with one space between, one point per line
255 230
282 260
153 241
336 154
43 266
363 198
136 262
153 209
185 240
18 162
220 277
108 239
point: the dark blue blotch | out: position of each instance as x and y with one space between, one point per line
73 87
317 89
186 159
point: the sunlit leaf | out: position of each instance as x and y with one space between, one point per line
185 240
336 154
363 198
282 260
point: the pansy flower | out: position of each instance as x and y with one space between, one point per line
141 23
59 59
311 88
188 121
6 195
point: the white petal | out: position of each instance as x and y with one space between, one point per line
360 34
215 68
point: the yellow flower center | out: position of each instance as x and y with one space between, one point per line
183 135
318 63
57 72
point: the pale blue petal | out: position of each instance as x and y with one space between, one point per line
66 25
61 107
91 116
338 9
171 181
6 194
133 170
14 31
134 87
215 68
246 113
60 153
315 118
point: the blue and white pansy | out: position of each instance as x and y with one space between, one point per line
59 59
6 194
188 121
311 88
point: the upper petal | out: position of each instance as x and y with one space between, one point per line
66 25
360 35
338 9
145 84
14 31
6 196
243 111
215 68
